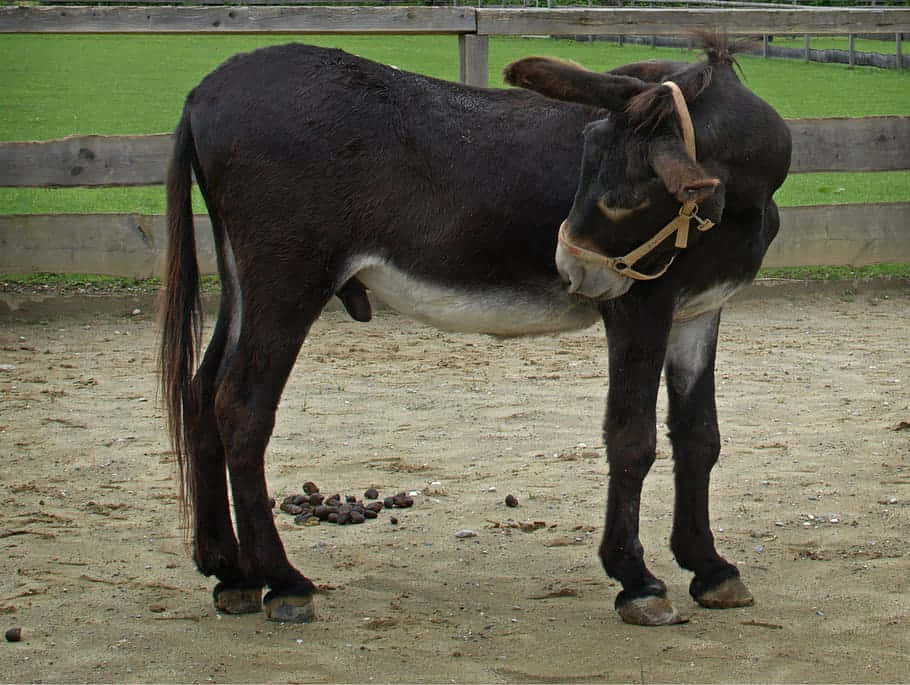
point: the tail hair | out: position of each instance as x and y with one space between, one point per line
181 309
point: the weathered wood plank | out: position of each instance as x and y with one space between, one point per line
866 144
86 161
624 21
134 246
840 144
128 245
647 21
235 3
237 19
474 60
853 235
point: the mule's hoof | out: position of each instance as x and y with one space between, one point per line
649 611
290 608
730 593
238 600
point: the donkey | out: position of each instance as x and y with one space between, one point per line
520 211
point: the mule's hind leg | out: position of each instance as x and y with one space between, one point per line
214 544
245 406
694 434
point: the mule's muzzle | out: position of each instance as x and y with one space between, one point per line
589 278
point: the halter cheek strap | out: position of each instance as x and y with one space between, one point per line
679 225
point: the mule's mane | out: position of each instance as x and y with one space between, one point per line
648 109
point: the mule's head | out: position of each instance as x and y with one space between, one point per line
637 174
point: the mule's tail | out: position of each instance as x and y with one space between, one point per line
181 310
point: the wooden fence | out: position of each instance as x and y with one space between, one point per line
133 245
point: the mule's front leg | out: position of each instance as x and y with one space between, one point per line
696 445
636 357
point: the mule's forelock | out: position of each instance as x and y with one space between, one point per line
645 111
649 108
719 49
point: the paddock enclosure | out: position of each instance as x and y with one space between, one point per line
811 499
132 245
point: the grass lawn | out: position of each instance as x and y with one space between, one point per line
885 47
59 85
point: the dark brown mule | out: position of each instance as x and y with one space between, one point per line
325 174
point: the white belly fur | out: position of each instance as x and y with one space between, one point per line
497 311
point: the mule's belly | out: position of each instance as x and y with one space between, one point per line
522 309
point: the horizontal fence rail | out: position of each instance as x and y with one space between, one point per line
86 161
238 19
662 22
481 20
862 144
134 245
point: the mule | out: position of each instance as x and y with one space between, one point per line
574 198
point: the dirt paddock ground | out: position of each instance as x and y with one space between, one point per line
811 498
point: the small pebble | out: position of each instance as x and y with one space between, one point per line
465 533
371 493
310 487
393 521
14 634
511 501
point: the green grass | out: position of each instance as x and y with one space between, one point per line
838 273
885 47
59 85
800 190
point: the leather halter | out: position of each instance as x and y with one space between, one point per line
679 225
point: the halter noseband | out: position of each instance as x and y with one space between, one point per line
679 225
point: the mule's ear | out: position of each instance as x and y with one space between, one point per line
683 177
564 80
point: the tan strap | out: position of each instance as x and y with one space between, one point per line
685 119
622 265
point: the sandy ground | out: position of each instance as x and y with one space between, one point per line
811 499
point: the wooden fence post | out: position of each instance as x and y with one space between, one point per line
899 51
851 55
474 59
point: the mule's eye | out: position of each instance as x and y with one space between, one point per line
616 214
